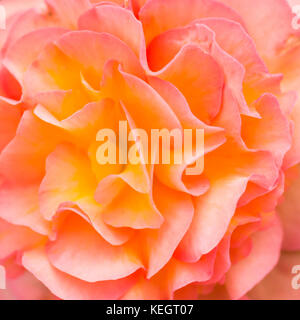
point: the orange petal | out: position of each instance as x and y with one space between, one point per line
19 205
16 239
10 116
69 288
262 24
69 178
271 132
125 207
177 210
25 50
159 16
289 213
69 10
203 91
78 248
213 213
264 255
23 159
116 21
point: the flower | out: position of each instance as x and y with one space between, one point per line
82 230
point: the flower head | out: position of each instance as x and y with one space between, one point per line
88 230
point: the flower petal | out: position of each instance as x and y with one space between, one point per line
159 16
69 10
116 21
177 210
16 239
264 255
289 213
25 50
213 213
278 284
80 251
203 91
69 288
10 116
261 21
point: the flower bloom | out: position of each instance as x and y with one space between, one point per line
71 228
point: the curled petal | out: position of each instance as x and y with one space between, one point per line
203 91
163 242
68 287
264 255
115 21
25 50
16 239
158 16
78 248
261 21
213 213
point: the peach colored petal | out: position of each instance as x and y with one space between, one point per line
16 238
116 21
86 122
167 45
63 65
145 289
79 251
233 38
68 287
264 255
162 243
173 175
82 126
75 184
213 213
271 132
214 136
277 285
23 159
2 277
14 6
139 99
53 71
262 199
288 64
174 276
25 50
289 213
158 16
10 88
19 205
222 261
110 2
10 116
137 5
125 207
26 287
261 21
26 22
98 49
184 273
69 10
182 71
293 155
75 180
259 166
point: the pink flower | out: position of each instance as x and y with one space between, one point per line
72 228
